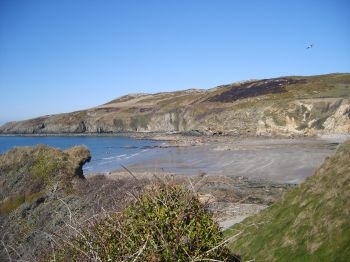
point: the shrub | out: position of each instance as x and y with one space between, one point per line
44 166
166 223
118 124
140 121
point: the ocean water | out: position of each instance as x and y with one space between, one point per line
108 152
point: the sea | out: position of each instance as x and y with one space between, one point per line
108 152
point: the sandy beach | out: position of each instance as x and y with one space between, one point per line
237 177
277 160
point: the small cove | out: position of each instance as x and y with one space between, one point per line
277 160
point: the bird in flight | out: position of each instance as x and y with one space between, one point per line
310 46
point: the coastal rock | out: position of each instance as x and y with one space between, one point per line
339 121
318 116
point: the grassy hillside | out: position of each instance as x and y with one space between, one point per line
311 222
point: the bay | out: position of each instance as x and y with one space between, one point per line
273 159
108 152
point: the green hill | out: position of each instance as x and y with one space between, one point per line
310 223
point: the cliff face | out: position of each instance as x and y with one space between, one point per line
280 106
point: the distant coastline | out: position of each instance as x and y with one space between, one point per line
290 106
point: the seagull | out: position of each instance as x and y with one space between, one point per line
310 46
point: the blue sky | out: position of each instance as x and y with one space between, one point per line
64 55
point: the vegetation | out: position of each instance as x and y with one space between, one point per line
44 166
311 223
138 122
42 190
166 223
48 211
26 173
119 124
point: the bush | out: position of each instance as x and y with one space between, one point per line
166 223
138 122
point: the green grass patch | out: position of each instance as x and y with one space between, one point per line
11 203
337 90
44 167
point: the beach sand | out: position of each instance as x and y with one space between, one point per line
239 177
277 160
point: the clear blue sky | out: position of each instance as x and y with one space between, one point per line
63 55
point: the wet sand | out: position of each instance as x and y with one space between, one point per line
277 160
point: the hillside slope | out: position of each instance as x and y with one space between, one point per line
311 222
278 106
43 192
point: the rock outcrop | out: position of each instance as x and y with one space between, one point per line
307 117
285 106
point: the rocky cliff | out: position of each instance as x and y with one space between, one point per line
280 106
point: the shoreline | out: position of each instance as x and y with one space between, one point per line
226 155
171 136
276 159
